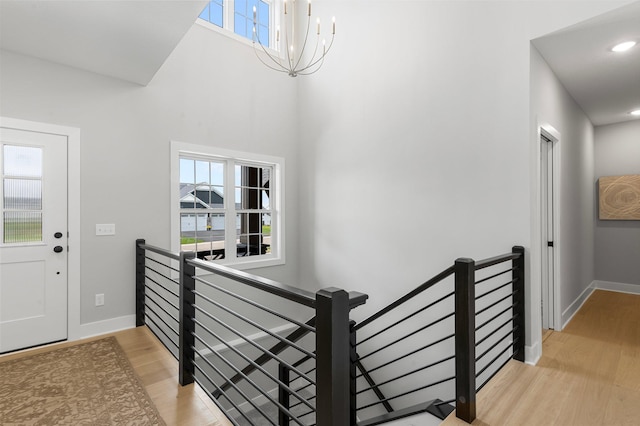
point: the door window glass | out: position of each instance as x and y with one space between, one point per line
21 194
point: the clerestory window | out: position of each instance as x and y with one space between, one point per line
237 16
227 206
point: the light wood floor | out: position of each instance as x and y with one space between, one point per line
158 370
589 373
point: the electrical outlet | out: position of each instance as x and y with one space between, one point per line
100 299
106 229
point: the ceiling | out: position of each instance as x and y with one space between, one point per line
129 40
605 84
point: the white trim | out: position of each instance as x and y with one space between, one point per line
278 202
544 128
532 354
573 309
73 212
106 326
614 286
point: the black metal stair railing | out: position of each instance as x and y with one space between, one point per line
157 295
441 315
245 341
398 360
434 347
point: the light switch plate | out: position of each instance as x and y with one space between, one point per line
106 229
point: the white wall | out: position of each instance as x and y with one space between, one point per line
617 243
210 91
421 116
552 104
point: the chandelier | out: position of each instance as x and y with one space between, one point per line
292 59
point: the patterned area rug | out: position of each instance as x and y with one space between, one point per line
88 384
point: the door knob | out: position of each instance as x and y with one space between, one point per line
58 235
57 249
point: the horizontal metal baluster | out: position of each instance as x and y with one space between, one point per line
223 409
163 264
500 368
407 374
252 343
256 325
161 308
481 311
495 359
408 392
246 358
161 286
405 318
494 317
237 389
425 286
162 297
257 305
494 290
163 332
481 341
408 335
478 358
371 370
493 276
150 309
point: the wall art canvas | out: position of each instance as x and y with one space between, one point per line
619 197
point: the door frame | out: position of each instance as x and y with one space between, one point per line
553 135
73 211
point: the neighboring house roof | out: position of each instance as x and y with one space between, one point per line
188 193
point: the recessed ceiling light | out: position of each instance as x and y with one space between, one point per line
623 47
635 112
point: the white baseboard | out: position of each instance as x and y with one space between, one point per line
568 313
619 287
532 354
107 326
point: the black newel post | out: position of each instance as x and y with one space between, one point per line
187 312
283 395
353 358
518 300
465 340
333 353
140 266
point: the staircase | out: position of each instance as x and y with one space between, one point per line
267 353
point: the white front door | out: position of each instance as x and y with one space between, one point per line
33 238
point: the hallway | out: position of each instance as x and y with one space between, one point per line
589 373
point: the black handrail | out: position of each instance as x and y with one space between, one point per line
161 251
481 264
293 294
425 286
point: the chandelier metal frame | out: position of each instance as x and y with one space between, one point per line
291 62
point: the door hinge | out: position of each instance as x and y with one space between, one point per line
549 243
